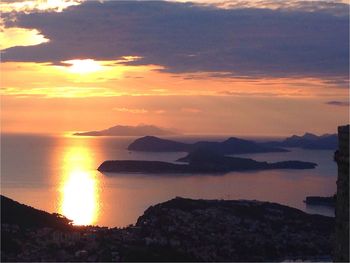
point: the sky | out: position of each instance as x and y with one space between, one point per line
264 67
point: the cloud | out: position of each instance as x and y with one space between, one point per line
139 111
29 6
191 110
189 38
135 111
338 103
336 7
159 111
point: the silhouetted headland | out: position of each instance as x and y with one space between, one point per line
199 161
230 146
121 130
321 200
25 216
177 230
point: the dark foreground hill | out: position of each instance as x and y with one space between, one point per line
177 230
229 146
218 230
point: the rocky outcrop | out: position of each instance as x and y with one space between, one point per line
342 205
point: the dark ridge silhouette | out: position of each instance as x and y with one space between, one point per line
229 146
25 216
199 161
121 130
308 141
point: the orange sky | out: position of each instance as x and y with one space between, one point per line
51 99
90 94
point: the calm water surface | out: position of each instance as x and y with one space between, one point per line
58 174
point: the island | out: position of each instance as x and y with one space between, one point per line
230 146
122 130
308 141
200 161
180 229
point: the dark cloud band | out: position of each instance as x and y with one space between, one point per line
190 38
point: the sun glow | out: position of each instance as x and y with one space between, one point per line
79 194
83 66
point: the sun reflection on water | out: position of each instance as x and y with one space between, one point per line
79 187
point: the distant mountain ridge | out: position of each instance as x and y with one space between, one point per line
308 141
124 130
230 146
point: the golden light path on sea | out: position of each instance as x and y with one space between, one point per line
79 198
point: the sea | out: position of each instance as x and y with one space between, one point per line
58 174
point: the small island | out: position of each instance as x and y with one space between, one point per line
200 161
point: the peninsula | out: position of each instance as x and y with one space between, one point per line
321 200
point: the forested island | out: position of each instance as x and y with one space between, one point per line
198 162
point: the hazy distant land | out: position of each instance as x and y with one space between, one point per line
308 141
123 130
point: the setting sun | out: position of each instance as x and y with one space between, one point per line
83 66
